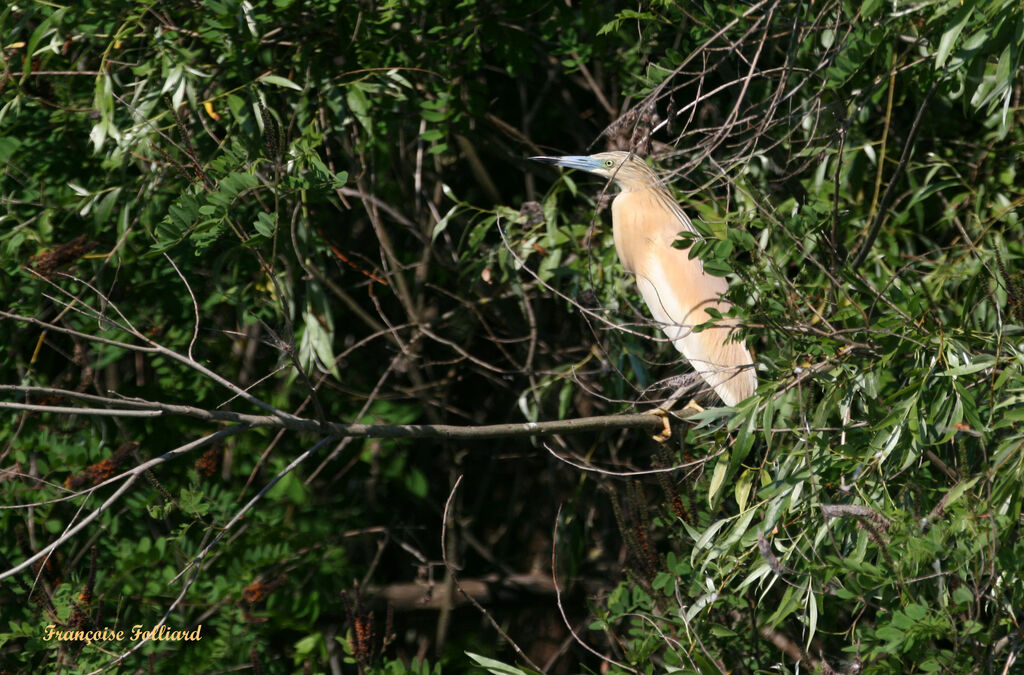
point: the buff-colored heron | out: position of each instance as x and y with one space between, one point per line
646 220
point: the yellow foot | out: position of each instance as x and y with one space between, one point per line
666 428
691 408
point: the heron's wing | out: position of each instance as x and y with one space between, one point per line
678 298
678 293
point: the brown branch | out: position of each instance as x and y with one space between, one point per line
446 602
142 408
561 609
908 147
639 472
492 588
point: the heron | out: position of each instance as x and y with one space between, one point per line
646 220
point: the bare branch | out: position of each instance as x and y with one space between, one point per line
455 579
141 408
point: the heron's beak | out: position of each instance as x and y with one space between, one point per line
581 162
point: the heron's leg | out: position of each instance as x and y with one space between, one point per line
666 428
669 402
662 411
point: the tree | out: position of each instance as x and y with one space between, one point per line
272 266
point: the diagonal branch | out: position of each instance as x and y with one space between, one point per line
883 205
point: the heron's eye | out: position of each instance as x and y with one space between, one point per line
609 163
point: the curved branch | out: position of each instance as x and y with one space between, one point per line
140 408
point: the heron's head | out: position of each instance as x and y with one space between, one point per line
625 168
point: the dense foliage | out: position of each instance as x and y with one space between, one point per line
230 228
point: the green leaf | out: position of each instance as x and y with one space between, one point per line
951 34
717 480
717 268
442 224
890 633
812 616
280 82
962 596
416 483
44 29
709 534
496 667
359 104
742 489
264 224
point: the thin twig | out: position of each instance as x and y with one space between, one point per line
455 578
251 503
883 205
561 609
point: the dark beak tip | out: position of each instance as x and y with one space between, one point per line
544 160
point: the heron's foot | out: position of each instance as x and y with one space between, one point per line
666 428
691 408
